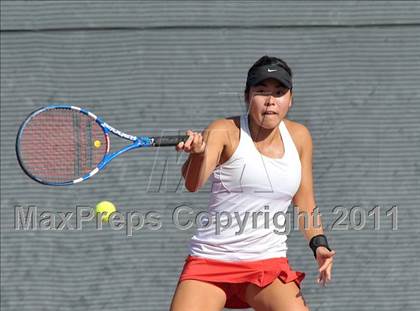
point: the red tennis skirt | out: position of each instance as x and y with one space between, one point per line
233 277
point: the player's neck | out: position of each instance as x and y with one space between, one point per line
262 135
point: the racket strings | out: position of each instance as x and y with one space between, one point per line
61 145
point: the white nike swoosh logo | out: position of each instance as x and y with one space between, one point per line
271 70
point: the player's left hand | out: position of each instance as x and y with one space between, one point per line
324 257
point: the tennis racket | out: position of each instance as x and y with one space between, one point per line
62 145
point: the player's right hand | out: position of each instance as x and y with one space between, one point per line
194 144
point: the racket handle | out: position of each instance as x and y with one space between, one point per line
169 140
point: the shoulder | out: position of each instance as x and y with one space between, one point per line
300 134
223 128
228 123
225 125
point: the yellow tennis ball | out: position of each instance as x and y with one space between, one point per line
106 208
97 143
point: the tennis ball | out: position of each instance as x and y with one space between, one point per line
97 143
106 208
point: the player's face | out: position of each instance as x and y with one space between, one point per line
269 102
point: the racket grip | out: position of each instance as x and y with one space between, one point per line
169 140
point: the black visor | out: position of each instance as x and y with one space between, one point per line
270 72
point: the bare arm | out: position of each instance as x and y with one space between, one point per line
205 150
304 201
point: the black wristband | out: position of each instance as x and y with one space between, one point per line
318 240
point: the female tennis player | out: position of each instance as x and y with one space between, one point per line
259 163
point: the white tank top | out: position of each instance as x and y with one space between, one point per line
254 184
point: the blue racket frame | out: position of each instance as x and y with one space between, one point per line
137 142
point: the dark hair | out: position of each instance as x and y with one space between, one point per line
266 60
